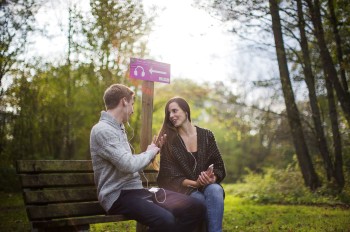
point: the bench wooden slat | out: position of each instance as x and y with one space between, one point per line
57 180
57 166
71 179
60 195
49 166
64 210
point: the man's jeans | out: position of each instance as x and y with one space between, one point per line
213 197
177 213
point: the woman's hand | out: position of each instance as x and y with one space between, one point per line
160 142
206 178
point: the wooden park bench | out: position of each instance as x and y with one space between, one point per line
60 195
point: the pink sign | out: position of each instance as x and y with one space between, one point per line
149 70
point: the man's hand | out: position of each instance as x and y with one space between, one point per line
152 147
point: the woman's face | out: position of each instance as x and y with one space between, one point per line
176 115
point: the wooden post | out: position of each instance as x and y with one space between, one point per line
146 114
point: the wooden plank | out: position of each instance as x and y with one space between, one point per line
57 180
60 196
79 221
146 114
75 179
49 166
64 210
67 190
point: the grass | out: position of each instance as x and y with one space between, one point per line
240 215
13 215
243 215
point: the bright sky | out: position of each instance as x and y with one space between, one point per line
195 44
199 47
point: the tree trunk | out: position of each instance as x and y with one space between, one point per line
69 142
327 62
338 164
310 82
338 43
310 177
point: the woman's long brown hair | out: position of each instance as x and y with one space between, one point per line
168 127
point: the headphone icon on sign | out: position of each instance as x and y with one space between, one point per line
142 73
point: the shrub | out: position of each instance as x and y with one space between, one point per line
285 187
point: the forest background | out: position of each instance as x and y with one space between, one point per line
47 107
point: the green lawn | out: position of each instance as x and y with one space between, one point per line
244 216
239 216
13 216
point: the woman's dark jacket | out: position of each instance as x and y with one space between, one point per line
177 164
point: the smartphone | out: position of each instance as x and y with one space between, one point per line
210 168
153 190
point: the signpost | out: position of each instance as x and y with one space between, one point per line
149 71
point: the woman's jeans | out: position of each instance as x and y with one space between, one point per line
177 213
213 197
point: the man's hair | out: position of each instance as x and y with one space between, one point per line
115 93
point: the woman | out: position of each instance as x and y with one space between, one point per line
185 160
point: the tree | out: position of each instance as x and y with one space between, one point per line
245 134
337 146
56 103
17 21
115 32
307 169
310 82
338 42
305 64
343 95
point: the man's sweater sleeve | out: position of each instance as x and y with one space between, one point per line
117 151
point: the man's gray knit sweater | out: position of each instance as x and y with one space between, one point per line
115 167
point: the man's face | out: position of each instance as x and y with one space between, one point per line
129 108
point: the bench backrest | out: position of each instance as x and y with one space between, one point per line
55 189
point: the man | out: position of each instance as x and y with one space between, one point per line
116 172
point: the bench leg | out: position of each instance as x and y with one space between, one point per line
141 228
202 227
